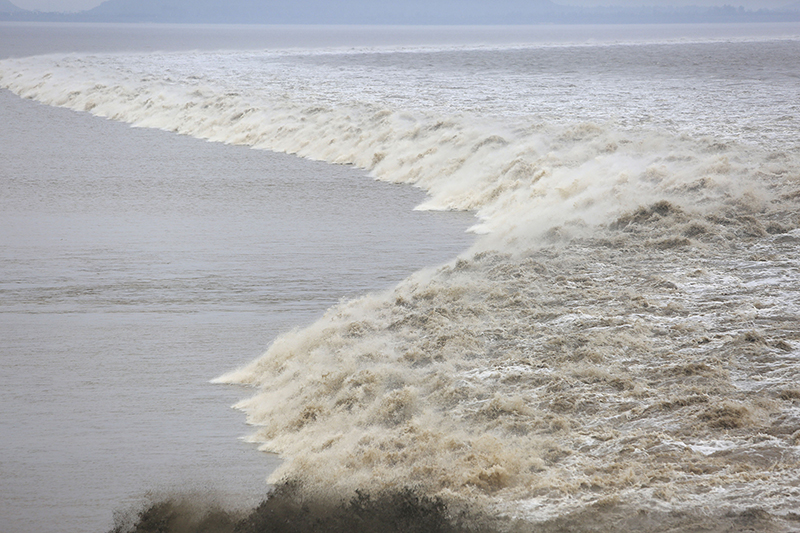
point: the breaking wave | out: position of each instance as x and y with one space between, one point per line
618 347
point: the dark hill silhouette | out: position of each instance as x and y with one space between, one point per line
399 12
8 7
325 12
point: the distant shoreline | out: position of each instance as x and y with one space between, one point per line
421 13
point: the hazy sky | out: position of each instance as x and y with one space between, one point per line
80 5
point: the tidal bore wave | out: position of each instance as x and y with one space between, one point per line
618 351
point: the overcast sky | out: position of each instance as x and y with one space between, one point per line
81 5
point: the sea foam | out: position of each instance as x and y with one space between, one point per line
631 301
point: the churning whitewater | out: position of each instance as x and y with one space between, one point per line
620 344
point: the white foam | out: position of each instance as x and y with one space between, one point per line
485 379
521 175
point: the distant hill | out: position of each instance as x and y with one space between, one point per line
406 12
325 11
8 7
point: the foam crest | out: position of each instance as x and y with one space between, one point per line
522 178
570 377
631 306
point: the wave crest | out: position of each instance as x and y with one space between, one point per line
624 333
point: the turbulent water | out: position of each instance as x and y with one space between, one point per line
621 343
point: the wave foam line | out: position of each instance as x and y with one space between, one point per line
642 354
522 178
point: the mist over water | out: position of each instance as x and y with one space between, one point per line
618 348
